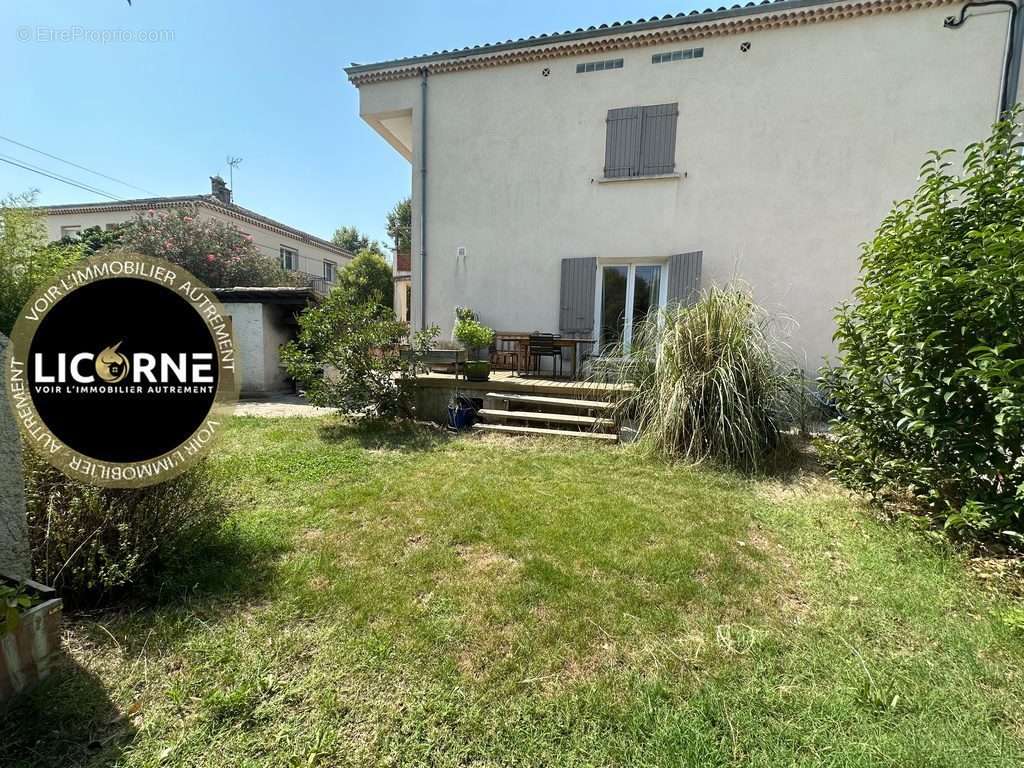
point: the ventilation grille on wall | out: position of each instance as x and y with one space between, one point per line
598 66
689 53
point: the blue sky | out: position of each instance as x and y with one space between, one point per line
255 79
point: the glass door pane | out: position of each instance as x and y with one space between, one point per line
646 292
613 305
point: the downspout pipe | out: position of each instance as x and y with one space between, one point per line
1011 68
423 198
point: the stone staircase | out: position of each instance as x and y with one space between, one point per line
525 414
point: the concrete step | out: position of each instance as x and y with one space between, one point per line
561 402
553 418
508 429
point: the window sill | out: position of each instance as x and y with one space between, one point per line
659 176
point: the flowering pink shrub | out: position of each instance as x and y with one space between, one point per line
214 251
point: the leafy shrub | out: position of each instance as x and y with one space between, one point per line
91 543
368 278
930 382
14 601
25 261
473 334
214 251
349 355
707 384
89 241
463 314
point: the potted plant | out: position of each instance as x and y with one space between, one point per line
29 634
476 338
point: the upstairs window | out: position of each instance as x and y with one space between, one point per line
683 55
289 258
598 66
330 270
641 141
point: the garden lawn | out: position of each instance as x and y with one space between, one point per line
390 596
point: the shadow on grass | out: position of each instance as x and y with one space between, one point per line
380 435
67 720
792 460
228 564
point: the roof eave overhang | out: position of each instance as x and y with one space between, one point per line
200 200
737 20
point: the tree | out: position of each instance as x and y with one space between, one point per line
25 261
348 356
92 240
214 251
930 384
367 279
400 225
354 241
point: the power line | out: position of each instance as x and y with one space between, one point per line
58 177
76 165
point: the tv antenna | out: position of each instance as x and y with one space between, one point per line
233 162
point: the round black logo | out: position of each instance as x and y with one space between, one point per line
116 369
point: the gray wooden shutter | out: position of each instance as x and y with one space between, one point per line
658 139
622 142
576 309
684 277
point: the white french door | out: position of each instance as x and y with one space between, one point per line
626 294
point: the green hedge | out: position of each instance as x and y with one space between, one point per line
930 383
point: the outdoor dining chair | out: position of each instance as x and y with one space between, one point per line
504 353
543 345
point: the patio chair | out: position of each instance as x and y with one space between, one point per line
505 354
543 345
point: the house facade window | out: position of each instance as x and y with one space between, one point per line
289 258
598 66
72 230
683 55
626 293
641 141
330 270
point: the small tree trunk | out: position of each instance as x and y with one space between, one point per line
14 549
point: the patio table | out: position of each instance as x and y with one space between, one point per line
565 342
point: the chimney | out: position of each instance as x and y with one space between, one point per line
220 190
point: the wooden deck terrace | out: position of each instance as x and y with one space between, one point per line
435 390
507 381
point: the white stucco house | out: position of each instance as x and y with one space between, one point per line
314 258
263 320
570 181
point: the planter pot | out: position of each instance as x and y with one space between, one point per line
28 653
477 370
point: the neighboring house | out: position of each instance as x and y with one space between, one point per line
402 272
574 180
263 319
316 259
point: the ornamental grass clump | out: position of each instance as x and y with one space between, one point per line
707 384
